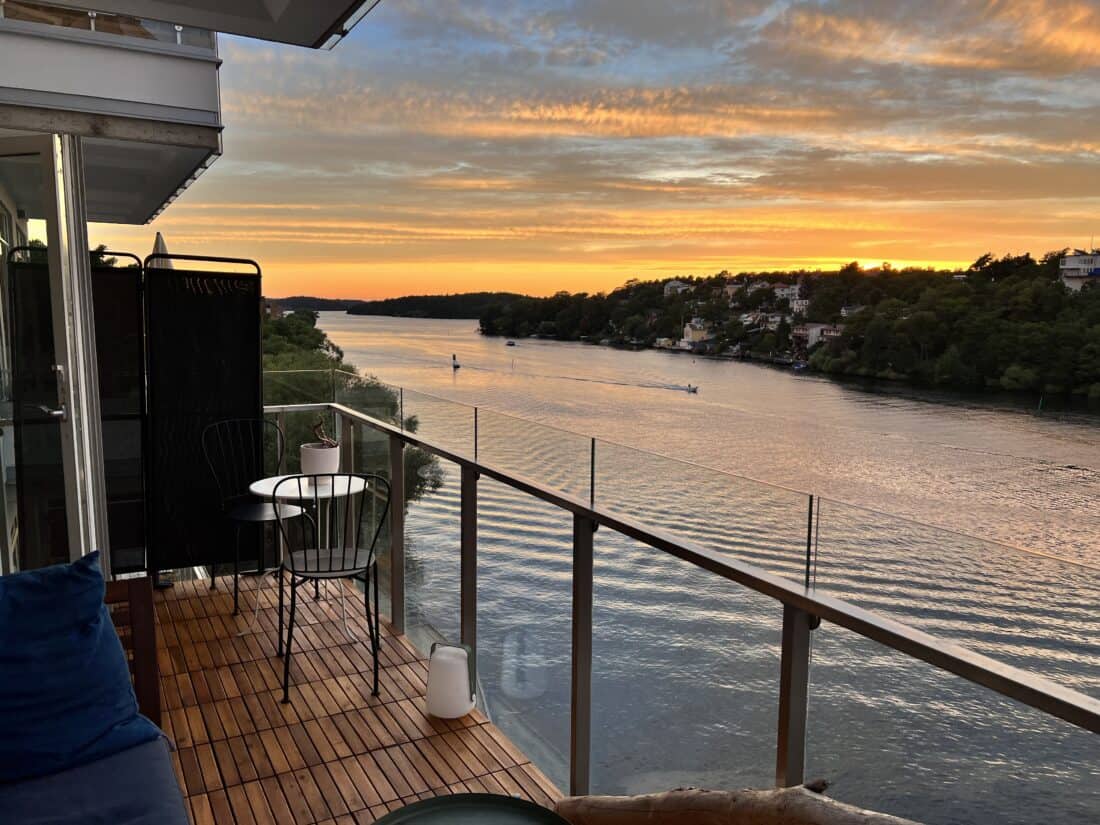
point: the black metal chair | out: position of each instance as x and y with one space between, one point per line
327 542
234 450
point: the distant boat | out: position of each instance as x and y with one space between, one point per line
454 363
692 390
510 344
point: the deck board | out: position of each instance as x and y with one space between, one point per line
334 755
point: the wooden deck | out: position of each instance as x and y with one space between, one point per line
335 754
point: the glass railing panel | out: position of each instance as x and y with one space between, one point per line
368 396
896 735
1028 610
753 522
298 387
47 15
447 424
105 23
557 458
685 669
432 559
301 428
371 456
525 558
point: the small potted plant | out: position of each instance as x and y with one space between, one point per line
322 456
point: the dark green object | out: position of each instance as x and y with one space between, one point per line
473 809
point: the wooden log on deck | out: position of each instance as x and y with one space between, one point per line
782 806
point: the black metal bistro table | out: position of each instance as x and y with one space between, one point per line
266 489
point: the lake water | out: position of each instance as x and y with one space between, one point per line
992 540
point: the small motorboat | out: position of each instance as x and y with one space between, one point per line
454 363
510 344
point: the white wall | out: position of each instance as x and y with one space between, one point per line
103 74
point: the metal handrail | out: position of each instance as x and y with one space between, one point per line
1037 691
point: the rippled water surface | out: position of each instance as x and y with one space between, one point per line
686 665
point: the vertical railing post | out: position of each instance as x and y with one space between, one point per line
794 695
347 443
475 433
809 541
468 552
580 716
280 422
592 477
397 534
401 406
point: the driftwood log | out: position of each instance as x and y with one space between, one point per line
783 806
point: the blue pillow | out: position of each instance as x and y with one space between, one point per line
65 693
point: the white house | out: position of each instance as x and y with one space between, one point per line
1080 269
800 305
813 334
675 287
849 311
788 291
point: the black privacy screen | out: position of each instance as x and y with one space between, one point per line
120 359
204 365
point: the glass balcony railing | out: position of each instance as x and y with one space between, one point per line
687 641
116 24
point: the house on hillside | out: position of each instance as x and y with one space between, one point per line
697 331
800 305
1079 269
810 335
788 291
675 287
849 311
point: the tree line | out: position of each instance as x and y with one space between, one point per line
1004 323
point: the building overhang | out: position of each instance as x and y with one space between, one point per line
149 111
317 24
127 179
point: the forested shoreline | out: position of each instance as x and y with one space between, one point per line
1002 324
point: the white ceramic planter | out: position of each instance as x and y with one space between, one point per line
319 459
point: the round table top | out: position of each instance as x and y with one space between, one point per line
472 808
345 486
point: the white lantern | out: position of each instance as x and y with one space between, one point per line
452 679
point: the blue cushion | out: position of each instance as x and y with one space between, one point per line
65 693
134 787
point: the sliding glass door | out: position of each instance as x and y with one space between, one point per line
49 509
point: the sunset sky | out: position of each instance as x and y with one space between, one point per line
538 145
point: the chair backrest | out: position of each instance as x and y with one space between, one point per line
234 450
343 517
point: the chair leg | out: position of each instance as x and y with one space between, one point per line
289 642
282 576
316 589
373 628
237 573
